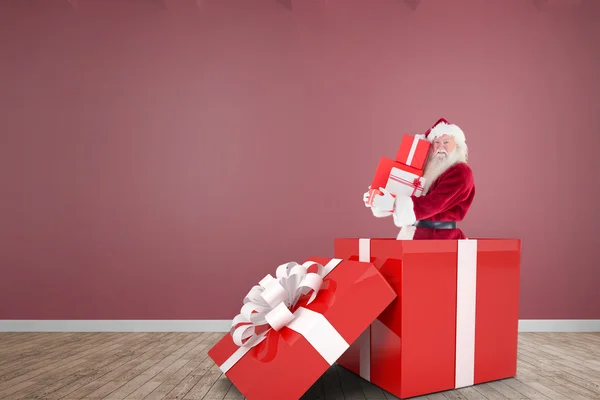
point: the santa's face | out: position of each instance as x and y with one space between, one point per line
443 146
444 153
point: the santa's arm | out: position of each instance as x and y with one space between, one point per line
380 213
452 189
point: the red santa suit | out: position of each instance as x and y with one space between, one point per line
446 200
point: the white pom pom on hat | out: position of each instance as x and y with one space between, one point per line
443 127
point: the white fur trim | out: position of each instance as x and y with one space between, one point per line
406 233
404 213
379 213
447 129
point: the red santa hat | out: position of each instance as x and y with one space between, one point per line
443 127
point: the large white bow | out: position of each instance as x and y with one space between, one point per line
269 302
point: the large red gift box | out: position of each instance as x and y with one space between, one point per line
454 322
413 151
294 326
397 178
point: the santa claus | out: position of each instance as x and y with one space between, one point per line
448 191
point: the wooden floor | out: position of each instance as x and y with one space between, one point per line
175 366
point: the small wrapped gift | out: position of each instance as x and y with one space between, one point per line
397 178
294 326
413 151
403 182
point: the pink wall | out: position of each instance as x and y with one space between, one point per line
155 164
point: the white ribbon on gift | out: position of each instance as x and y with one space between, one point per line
269 303
466 296
413 150
364 367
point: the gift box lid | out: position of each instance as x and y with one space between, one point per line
293 326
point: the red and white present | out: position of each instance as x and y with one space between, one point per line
294 326
413 151
454 322
403 182
397 178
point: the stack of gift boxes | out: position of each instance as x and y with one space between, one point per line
404 174
412 317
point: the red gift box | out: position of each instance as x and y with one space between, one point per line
454 322
397 178
413 152
293 327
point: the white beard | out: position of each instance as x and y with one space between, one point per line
437 165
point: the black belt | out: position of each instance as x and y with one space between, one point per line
436 224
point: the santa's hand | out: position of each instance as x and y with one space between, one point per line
366 199
384 201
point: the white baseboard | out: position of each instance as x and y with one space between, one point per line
559 325
527 325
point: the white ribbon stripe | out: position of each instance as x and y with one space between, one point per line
268 304
466 291
364 368
413 149
364 250
319 333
